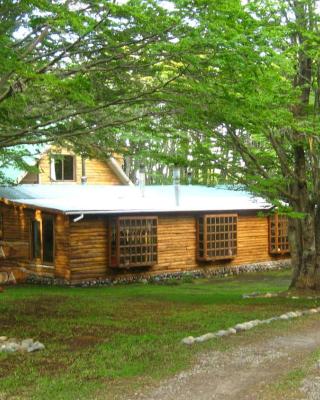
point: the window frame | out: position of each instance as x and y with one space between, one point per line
40 259
44 218
32 242
278 246
61 157
205 256
115 247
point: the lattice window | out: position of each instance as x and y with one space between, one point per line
133 242
217 237
278 234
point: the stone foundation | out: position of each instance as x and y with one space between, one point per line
163 277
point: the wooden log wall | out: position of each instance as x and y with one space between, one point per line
177 243
61 245
88 248
253 240
176 246
16 237
31 177
97 172
81 248
15 241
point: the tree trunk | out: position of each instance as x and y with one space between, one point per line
304 233
303 237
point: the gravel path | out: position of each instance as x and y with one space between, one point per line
243 372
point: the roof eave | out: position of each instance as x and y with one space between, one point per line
133 211
118 171
160 211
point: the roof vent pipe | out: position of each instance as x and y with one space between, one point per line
142 179
176 183
189 176
83 171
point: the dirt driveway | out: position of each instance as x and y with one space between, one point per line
245 371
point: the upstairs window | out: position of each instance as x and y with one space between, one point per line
278 234
133 242
62 168
217 237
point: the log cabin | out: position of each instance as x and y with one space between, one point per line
84 232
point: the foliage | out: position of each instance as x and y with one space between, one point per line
243 96
69 69
228 90
250 94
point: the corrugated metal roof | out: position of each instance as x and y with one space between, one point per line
103 199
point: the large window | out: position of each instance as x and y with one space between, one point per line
62 168
133 242
35 240
47 239
278 234
217 237
42 239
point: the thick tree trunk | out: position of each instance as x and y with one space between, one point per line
317 246
304 238
304 233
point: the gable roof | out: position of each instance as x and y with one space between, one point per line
105 199
36 152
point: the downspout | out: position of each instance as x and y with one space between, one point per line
142 179
79 218
189 176
176 182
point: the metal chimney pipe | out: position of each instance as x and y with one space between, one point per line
83 171
142 179
176 183
189 176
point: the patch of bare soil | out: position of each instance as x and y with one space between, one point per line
21 313
44 306
242 373
82 342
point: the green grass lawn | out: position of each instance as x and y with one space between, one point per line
104 341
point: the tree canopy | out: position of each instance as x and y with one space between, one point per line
252 94
229 89
246 109
74 71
